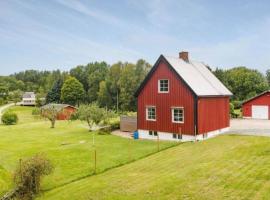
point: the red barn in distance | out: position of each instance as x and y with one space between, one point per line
66 110
257 107
182 100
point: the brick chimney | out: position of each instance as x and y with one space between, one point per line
184 55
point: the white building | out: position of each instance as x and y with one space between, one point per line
29 99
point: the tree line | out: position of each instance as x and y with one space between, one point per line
113 86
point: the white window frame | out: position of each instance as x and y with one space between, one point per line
159 86
147 117
172 114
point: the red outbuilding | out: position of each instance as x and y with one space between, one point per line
257 107
181 99
65 110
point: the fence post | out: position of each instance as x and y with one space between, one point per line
21 169
158 141
95 161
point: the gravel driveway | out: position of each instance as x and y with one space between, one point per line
250 127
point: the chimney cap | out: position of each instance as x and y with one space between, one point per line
184 55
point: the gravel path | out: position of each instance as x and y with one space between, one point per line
250 127
4 107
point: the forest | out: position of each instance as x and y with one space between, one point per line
113 86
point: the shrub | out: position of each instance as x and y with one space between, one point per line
9 118
115 123
237 104
27 177
231 108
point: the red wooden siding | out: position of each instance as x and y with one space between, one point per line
179 96
262 100
66 113
213 113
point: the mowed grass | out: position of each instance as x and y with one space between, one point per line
69 146
225 167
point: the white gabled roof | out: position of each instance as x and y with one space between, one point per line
199 78
29 95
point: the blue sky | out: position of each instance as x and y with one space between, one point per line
60 34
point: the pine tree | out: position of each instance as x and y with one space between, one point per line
54 95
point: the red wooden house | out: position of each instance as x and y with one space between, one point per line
257 107
181 99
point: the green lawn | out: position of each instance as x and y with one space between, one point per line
72 161
225 167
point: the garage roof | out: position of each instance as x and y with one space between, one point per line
263 93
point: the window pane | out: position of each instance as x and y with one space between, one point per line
151 113
164 85
178 115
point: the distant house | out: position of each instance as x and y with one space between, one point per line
257 107
29 99
66 110
181 99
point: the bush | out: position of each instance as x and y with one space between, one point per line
114 123
237 104
231 108
27 177
9 118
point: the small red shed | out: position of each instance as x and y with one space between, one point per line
181 99
65 110
257 107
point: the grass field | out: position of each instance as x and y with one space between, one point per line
72 161
225 167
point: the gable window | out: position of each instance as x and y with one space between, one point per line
178 115
151 113
163 86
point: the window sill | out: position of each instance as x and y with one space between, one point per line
163 92
177 122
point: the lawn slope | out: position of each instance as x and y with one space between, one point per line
225 167
69 146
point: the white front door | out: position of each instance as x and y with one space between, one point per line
260 112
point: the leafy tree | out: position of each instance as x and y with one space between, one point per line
268 77
50 112
97 73
243 82
128 84
113 84
54 95
16 96
92 114
81 73
72 91
104 97
142 68
3 91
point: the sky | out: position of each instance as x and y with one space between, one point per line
61 34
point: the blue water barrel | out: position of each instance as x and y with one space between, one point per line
136 135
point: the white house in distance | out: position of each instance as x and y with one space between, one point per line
29 99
